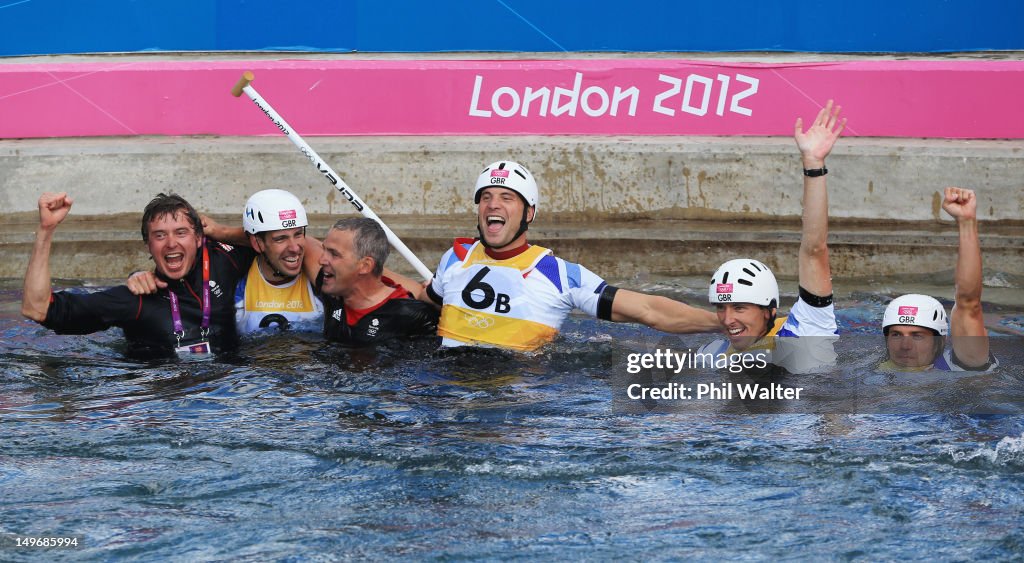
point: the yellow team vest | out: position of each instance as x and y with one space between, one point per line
766 342
500 304
265 304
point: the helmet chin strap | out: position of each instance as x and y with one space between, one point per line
523 226
277 274
771 319
263 258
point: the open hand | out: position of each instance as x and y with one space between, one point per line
816 143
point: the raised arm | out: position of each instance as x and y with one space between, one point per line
661 313
815 144
967 323
35 300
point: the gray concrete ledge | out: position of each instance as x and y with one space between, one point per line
621 206
111 247
592 177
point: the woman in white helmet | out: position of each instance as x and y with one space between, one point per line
916 327
746 294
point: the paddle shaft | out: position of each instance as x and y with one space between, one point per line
243 87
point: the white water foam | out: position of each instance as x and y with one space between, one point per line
1008 450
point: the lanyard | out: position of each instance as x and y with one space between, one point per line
204 327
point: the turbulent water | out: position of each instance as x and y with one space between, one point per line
294 449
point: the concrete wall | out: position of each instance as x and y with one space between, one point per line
623 206
692 178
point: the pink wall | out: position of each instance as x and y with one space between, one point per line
952 99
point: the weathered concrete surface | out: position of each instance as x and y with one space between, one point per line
618 249
682 178
620 206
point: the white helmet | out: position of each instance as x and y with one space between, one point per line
916 310
273 210
509 175
744 280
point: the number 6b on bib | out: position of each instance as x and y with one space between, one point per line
517 303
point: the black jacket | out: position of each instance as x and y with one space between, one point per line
146 319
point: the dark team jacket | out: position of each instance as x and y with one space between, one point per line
399 316
146 319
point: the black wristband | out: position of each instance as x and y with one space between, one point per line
816 301
604 302
439 300
983 367
815 172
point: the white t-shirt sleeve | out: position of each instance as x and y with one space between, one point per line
805 320
946 363
583 288
438 281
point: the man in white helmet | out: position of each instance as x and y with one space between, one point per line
746 293
915 326
500 291
353 299
276 291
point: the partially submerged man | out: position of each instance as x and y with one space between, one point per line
746 294
500 291
352 300
915 326
362 305
276 291
192 313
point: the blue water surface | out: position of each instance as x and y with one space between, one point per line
294 449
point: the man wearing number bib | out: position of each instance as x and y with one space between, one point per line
500 291
276 292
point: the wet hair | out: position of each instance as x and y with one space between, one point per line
163 205
370 240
